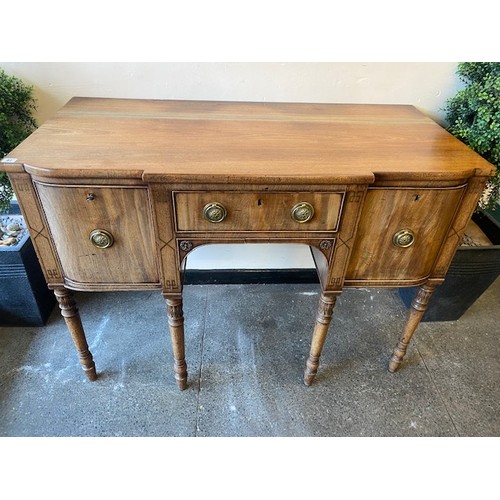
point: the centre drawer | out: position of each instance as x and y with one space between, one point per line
257 211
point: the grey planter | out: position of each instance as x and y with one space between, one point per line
25 299
472 271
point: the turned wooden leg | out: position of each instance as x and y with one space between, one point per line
176 326
71 316
417 309
323 318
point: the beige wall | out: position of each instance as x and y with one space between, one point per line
424 85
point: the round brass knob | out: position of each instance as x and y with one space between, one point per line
403 238
101 238
302 212
214 212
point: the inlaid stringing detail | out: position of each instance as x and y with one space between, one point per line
335 281
170 284
52 273
35 222
23 186
355 196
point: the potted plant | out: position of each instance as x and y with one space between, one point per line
25 299
473 116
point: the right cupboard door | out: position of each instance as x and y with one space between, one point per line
400 234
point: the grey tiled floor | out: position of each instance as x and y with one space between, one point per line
246 347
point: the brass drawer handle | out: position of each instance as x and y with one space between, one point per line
302 212
101 238
403 238
214 212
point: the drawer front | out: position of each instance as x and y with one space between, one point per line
256 211
401 232
102 234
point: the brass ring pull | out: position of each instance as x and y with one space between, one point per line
302 212
101 238
403 238
214 212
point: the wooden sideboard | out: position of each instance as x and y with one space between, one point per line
117 192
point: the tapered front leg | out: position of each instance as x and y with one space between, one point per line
176 326
323 318
415 313
71 316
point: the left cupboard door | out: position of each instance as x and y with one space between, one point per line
103 234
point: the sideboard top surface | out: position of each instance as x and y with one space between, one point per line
213 141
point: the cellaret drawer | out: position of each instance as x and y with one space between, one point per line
257 211
401 232
103 234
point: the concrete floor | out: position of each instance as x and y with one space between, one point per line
246 347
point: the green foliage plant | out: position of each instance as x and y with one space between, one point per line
473 115
17 106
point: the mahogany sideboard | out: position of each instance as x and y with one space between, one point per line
117 192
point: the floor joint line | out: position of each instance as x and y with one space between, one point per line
437 389
200 370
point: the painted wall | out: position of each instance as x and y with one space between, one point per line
424 85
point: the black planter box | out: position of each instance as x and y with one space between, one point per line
25 299
472 271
